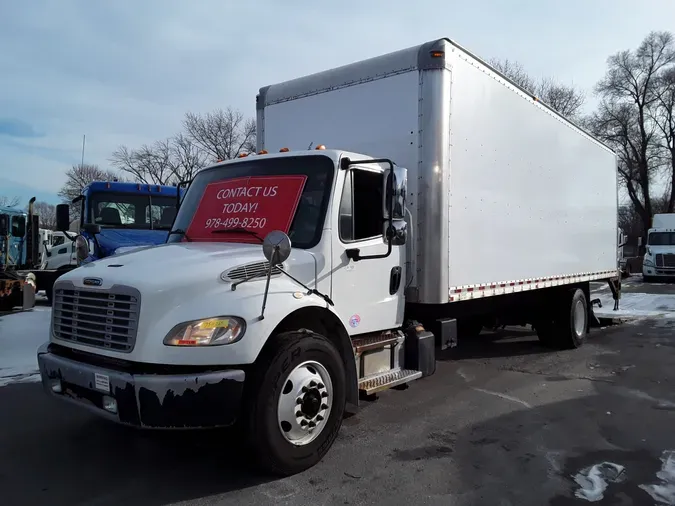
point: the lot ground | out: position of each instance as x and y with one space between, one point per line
502 422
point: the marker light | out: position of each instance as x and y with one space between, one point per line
437 54
242 155
320 147
263 152
208 332
284 150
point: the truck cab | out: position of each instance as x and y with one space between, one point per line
117 217
113 218
659 259
18 250
270 258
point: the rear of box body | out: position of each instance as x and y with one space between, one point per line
502 190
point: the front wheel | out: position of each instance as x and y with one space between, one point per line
298 399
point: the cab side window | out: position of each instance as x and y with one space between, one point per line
361 214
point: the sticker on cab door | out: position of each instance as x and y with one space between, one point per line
354 321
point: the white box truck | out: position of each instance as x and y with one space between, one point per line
296 281
659 259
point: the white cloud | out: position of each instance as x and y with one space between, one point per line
125 72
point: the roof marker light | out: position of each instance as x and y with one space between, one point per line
242 155
320 147
263 152
284 150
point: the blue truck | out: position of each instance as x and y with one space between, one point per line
19 248
114 217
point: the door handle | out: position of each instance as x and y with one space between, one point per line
394 280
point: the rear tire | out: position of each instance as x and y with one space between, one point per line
567 327
299 381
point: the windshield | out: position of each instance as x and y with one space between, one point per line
661 239
258 195
132 211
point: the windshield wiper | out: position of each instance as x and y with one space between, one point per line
237 231
182 232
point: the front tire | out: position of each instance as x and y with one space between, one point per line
298 400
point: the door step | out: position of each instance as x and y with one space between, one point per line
373 342
388 380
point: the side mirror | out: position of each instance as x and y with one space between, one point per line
92 228
62 217
397 232
395 189
276 247
4 225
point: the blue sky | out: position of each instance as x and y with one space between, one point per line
125 72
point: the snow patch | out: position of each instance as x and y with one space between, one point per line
636 305
21 334
594 480
664 492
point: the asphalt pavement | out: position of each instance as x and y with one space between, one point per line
502 422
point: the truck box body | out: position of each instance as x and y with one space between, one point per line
504 194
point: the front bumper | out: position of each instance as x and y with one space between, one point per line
663 272
148 400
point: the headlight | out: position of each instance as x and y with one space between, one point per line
208 332
82 247
648 262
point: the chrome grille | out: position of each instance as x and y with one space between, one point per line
101 318
252 271
665 260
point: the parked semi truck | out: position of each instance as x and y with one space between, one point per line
297 282
659 258
19 245
114 217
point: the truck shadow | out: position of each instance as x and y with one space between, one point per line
63 457
509 342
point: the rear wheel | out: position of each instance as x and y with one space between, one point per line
567 326
298 399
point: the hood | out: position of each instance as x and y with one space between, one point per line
181 264
112 238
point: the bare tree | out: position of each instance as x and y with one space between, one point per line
629 92
663 115
565 99
47 214
166 162
79 176
514 71
9 201
222 135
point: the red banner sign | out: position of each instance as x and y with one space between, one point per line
259 204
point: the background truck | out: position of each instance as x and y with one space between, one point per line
19 246
659 258
114 217
452 200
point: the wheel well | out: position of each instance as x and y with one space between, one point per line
324 322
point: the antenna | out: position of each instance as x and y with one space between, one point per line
83 142
310 145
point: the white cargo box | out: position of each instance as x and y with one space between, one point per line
505 194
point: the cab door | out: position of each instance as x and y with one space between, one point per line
368 293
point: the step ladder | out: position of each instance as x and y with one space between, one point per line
380 361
